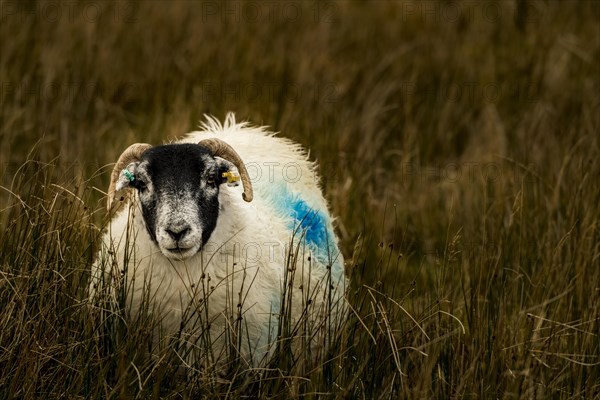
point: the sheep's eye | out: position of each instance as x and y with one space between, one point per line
211 179
141 186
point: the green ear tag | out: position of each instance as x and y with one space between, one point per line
128 175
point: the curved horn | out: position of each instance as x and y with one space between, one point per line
221 149
131 154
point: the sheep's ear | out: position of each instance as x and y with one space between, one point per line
126 177
227 172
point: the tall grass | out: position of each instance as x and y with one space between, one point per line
458 145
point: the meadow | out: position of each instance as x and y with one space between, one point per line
458 146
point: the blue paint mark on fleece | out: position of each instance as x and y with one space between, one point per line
310 224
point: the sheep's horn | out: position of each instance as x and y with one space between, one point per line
221 149
131 154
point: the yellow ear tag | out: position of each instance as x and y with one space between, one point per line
231 177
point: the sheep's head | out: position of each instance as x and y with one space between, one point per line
177 187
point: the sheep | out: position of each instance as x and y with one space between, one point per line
208 252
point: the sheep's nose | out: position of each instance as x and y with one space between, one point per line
177 233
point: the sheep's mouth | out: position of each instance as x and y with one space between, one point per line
180 252
179 249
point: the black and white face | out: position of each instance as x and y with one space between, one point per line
178 189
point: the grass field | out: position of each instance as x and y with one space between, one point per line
459 148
